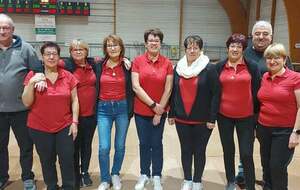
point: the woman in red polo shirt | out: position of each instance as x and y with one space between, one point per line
53 118
152 76
83 68
115 105
278 130
194 107
240 80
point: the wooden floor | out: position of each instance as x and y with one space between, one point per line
213 178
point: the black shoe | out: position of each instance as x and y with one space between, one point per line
240 179
85 180
3 184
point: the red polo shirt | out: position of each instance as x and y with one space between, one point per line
277 99
152 78
188 92
236 98
51 110
112 83
86 89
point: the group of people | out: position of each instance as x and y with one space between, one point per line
57 104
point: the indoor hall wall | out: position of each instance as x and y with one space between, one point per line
91 28
135 16
208 19
281 31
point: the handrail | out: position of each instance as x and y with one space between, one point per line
132 50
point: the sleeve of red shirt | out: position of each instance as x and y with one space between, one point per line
297 82
61 63
170 68
28 77
73 81
135 66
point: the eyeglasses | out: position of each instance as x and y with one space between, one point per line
78 50
48 54
277 58
5 28
192 48
110 46
153 41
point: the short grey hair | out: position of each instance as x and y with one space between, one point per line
262 24
6 18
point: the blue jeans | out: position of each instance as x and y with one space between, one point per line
108 112
151 148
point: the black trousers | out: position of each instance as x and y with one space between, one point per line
17 121
275 155
49 146
245 133
83 146
193 141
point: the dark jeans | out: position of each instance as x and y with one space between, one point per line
275 155
151 148
245 133
193 141
48 147
83 145
17 121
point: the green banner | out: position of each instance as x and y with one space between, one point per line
45 31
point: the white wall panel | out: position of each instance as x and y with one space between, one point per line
135 16
265 10
281 30
208 19
252 15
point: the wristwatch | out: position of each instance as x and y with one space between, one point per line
153 105
297 131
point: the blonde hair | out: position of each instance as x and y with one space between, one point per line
79 43
275 50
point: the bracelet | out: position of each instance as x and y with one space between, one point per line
153 105
75 122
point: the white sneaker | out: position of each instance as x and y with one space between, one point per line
197 186
116 181
104 186
187 185
157 183
142 181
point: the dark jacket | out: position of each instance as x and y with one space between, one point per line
206 105
258 58
129 91
255 79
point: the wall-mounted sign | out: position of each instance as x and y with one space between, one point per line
297 45
45 28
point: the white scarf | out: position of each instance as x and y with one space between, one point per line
194 69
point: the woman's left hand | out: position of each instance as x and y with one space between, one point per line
156 119
294 140
73 130
210 125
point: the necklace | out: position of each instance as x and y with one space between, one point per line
112 65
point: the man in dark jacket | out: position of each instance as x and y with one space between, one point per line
16 59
